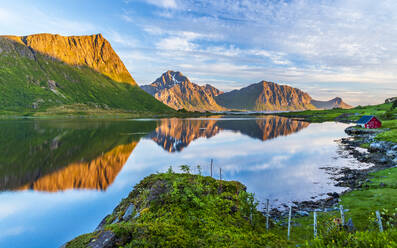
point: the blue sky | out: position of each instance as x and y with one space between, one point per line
327 48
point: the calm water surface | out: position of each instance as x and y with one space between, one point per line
59 178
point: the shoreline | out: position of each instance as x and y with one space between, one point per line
382 154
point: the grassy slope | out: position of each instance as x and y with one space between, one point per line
355 113
24 81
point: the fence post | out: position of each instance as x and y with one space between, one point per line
267 214
315 224
211 166
379 221
289 221
342 214
220 178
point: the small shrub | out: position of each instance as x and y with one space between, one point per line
394 105
185 169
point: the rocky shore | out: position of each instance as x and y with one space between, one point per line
362 145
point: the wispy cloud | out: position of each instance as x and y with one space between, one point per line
163 3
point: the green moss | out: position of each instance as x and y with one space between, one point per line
364 145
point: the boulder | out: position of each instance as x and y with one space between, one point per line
376 146
105 239
102 224
391 153
349 225
158 188
128 213
302 213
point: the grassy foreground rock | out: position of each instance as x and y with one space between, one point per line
183 210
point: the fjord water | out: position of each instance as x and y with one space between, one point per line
59 178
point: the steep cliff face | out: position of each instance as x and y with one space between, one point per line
266 96
93 51
60 74
176 91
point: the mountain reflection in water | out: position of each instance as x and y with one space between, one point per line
58 155
176 134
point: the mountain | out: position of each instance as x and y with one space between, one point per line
173 135
175 90
266 96
269 96
391 100
337 102
45 72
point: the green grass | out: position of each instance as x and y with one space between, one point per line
378 194
354 113
390 135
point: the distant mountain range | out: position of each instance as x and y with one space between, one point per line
44 72
178 92
65 74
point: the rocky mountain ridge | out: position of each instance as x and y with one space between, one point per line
266 96
176 90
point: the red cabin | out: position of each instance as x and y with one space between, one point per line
369 121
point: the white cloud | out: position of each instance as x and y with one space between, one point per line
176 43
121 39
164 3
13 231
127 18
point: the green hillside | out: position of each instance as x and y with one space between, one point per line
31 82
